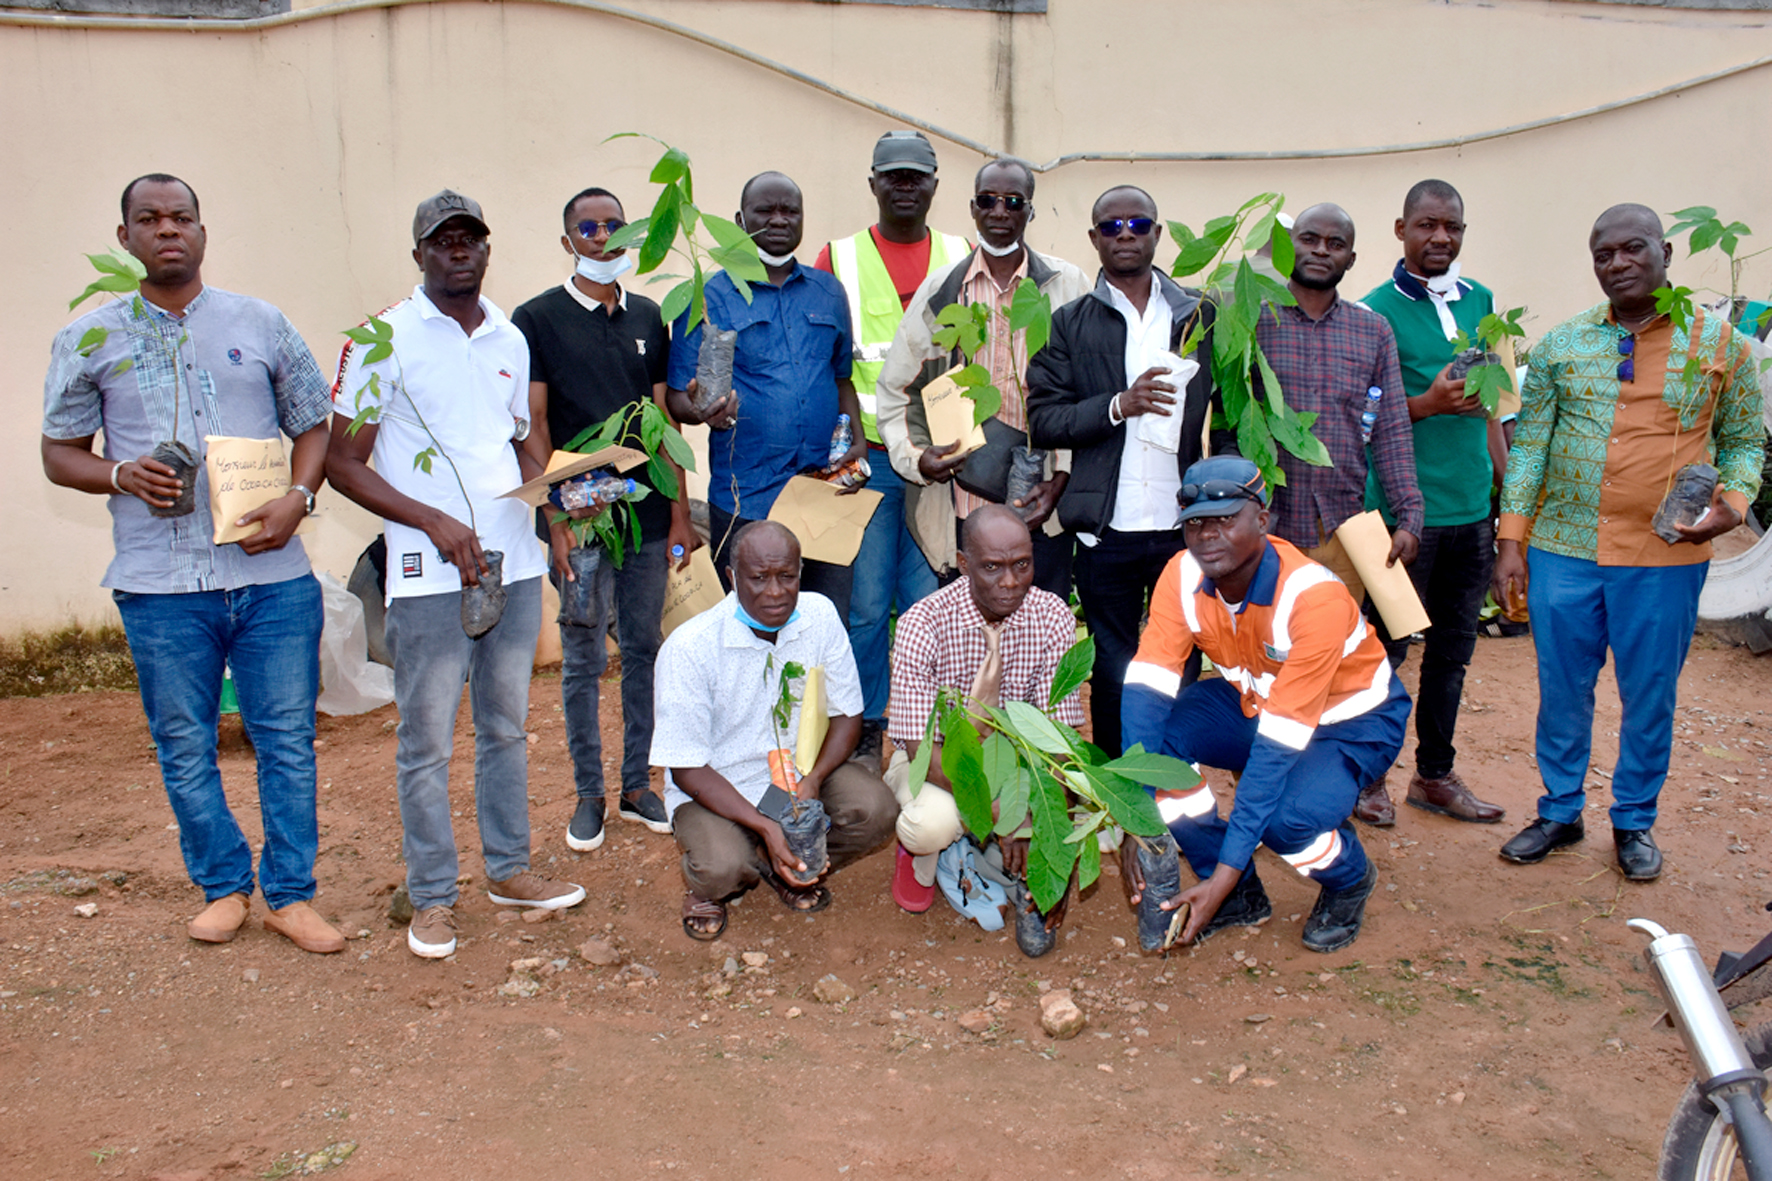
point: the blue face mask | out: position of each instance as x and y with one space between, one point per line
744 617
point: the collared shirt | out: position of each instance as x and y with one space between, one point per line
716 683
940 644
469 390
241 370
1005 353
1593 457
1145 500
1296 647
793 347
1325 366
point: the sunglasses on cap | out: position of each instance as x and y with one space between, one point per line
1013 202
588 229
1140 226
1192 494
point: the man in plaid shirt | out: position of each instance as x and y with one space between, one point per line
993 634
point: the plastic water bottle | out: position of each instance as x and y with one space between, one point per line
841 440
1369 416
593 491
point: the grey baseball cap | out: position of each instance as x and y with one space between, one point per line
434 211
904 149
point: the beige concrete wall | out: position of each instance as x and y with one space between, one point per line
310 142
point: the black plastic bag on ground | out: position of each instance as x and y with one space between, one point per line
1159 859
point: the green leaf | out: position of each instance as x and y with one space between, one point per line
677 447
662 477
962 760
986 401
1088 864
369 414
1030 311
122 367
1705 236
117 261
1163 772
1012 801
661 234
1035 728
1284 256
92 340
116 283
671 167
676 302
380 351
1050 859
1194 257
1086 827
740 263
972 376
424 459
1073 669
1258 199
919 769
1130 805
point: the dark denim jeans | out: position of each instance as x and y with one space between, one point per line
269 636
890 571
634 597
1451 576
1115 578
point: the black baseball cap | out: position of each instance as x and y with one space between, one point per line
904 149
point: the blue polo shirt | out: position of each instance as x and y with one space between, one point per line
793 347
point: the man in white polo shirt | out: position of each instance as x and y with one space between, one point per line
451 410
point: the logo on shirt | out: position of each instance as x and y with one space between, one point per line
412 566
504 373
1274 653
640 345
234 357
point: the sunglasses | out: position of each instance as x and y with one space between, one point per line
1627 348
1191 494
588 229
1140 226
1014 202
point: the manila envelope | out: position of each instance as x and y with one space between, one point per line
690 592
949 412
815 720
1368 543
564 465
828 523
244 474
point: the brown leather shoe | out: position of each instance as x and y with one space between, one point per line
1375 806
302 925
221 920
1450 797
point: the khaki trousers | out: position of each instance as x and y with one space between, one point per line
927 822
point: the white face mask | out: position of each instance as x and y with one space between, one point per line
774 260
998 251
605 270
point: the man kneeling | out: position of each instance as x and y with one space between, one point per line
1304 709
718 682
995 636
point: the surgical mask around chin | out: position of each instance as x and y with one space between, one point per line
745 618
774 260
605 270
999 251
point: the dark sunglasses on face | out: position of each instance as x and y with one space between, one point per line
1013 202
1627 348
588 229
1140 226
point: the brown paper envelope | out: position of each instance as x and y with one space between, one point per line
828 524
1368 543
690 592
244 474
564 465
949 412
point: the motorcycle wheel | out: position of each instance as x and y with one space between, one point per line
1699 1146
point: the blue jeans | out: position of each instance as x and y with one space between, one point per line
890 570
1207 726
1645 615
432 657
634 595
269 635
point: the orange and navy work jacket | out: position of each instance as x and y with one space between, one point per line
1297 648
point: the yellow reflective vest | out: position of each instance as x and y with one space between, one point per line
874 307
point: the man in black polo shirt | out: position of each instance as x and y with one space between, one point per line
595 349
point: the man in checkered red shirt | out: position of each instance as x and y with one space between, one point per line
994 635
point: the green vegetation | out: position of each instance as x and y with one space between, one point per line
70 659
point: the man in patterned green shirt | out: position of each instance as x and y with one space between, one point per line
1617 401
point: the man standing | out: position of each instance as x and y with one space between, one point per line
183 361
995 636
880 268
720 678
1618 400
790 379
1002 206
596 349
456 391
1329 355
1459 456
1305 710
1098 373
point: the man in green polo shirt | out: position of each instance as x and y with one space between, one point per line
1459 455
880 269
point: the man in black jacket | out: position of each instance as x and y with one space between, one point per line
1102 370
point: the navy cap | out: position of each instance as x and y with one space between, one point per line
1217 487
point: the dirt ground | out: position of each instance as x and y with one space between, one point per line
1490 1016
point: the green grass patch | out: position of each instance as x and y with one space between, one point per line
71 659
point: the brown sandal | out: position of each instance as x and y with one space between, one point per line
703 909
799 899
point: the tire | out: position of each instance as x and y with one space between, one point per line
1699 1146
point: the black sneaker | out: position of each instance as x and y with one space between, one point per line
1244 906
1335 919
646 808
867 747
586 830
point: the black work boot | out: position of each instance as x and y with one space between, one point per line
1244 906
1335 919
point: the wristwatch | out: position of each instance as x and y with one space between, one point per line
306 496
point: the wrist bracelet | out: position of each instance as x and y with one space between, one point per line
114 473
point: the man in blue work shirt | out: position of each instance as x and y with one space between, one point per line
790 379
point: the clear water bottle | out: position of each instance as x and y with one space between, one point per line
1369 416
593 491
842 439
